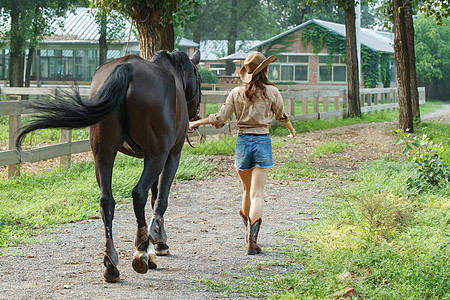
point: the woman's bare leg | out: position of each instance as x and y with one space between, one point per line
253 182
246 180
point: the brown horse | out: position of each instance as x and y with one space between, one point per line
140 108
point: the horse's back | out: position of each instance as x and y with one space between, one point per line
147 120
152 106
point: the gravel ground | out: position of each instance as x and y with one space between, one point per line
204 229
205 235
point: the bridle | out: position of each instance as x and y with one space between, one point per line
197 114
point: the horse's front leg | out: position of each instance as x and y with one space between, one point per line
103 171
144 257
160 244
156 231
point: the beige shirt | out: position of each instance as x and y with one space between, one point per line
253 117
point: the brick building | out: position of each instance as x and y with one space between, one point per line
304 66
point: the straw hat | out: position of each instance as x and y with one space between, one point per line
253 64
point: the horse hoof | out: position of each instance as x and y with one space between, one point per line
152 261
111 275
162 250
141 260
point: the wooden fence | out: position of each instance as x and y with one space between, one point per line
302 105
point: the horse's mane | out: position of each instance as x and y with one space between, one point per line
178 59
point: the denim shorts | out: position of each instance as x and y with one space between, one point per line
253 151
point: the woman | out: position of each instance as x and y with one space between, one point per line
254 104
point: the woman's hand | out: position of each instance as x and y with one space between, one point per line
192 125
292 133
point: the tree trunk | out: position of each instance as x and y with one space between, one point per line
354 106
412 60
29 63
232 37
405 120
17 55
153 36
103 46
32 47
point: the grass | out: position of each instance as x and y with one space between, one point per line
330 147
294 170
40 201
385 239
377 235
35 202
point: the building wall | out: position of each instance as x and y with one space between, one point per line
316 63
66 62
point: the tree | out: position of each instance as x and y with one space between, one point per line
348 6
405 117
409 25
102 44
111 28
400 12
30 20
354 105
289 13
439 9
231 20
433 55
155 20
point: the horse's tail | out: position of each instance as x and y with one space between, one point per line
71 111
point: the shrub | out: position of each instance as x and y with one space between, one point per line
208 76
427 157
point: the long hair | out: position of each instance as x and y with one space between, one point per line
257 87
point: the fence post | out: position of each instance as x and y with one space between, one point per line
65 136
202 109
344 99
305 106
395 98
14 127
336 105
325 104
290 107
316 105
361 100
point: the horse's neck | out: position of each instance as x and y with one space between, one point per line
167 64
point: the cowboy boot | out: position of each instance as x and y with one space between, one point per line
245 220
253 247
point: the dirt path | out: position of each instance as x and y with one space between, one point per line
204 229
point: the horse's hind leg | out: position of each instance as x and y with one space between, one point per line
103 169
156 230
142 258
161 247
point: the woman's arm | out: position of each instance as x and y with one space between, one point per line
291 129
193 124
218 119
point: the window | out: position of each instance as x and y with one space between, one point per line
324 73
4 62
289 68
336 72
287 72
301 73
298 59
340 73
274 72
393 70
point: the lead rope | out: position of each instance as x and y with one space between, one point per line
202 138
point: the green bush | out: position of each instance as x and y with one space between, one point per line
208 76
427 157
